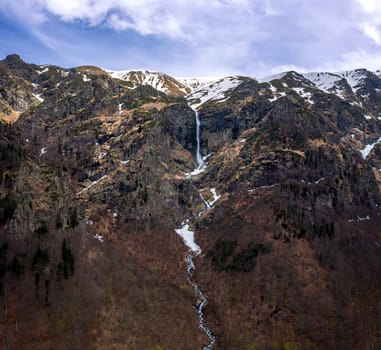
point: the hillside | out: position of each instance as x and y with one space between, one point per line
105 175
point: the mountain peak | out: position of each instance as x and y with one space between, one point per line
14 61
158 80
13 57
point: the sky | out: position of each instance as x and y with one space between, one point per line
195 38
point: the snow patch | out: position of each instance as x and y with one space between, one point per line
359 218
263 187
305 94
368 148
102 155
281 94
92 184
98 237
85 78
313 182
43 70
188 237
216 197
39 98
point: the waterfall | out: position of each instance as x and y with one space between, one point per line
194 250
200 161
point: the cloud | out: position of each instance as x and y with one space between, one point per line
370 19
216 36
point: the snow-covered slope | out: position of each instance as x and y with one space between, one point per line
197 83
157 80
214 91
329 82
342 84
323 80
269 78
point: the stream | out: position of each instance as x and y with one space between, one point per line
194 250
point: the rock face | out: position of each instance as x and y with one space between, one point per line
94 184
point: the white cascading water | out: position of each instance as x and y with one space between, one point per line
200 161
194 250
201 302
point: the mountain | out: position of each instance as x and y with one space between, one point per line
273 185
157 80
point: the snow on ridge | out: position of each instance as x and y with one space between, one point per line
197 82
328 81
210 88
324 81
122 74
158 80
353 77
143 77
213 92
269 78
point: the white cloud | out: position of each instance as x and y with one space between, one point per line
372 32
215 36
175 19
370 6
370 23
